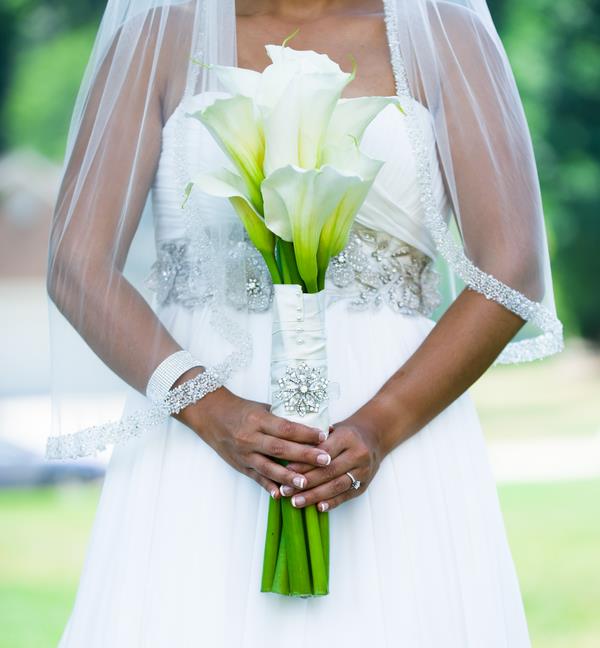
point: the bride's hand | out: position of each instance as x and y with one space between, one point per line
354 447
251 439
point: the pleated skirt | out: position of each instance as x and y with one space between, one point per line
419 560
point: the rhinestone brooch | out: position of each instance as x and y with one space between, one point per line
302 389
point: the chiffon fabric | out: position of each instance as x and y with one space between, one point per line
419 560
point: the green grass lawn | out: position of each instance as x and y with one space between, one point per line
43 535
559 396
554 531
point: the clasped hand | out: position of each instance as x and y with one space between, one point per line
258 443
354 449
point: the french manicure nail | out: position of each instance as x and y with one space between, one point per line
298 500
274 493
324 459
322 436
300 482
323 506
285 490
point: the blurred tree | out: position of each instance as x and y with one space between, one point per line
27 26
555 51
8 40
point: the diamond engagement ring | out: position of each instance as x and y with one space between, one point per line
355 482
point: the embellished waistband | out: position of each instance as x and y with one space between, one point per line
373 268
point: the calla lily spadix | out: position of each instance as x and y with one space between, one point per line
297 180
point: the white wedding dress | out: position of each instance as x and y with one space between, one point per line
419 560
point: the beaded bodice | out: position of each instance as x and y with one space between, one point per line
389 255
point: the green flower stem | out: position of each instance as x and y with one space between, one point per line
287 257
295 545
321 280
273 267
281 580
272 543
317 557
324 525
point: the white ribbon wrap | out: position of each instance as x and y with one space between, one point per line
299 377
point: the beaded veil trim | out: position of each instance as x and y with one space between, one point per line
550 341
95 439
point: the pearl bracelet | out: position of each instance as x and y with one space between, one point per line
167 372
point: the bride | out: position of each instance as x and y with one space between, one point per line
445 272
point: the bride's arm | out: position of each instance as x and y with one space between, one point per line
100 201
101 198
458 350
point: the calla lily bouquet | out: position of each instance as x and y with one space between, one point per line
297 179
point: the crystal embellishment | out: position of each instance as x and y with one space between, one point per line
302 389
375 268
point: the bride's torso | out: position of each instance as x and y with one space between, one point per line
389 242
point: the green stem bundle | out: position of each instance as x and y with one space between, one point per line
296 557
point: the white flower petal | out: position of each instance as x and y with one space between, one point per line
309 61
235 127
352 116
296 127
225 184
238 81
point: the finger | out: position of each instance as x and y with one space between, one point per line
334 502
334 446
270 486
323 493
275 472
283 428
317 476
300 467
292 451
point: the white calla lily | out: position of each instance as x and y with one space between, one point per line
296 127
308 61
238 81
297 203
234 125
335 231
352 116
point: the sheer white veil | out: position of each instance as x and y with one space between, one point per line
150 58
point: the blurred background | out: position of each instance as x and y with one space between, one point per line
542 420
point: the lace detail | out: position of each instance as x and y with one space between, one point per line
551 339
374 268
